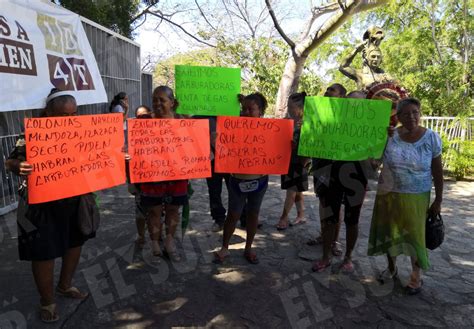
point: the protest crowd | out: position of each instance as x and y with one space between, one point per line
411 159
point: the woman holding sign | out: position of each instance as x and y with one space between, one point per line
411 159
168 195
49 230
245 188
339 183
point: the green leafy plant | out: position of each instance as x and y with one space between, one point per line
463 159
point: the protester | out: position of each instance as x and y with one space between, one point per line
245 188
321 171
141 112
167 195
346 186
214 183
119 104
295 182
411 158
49 230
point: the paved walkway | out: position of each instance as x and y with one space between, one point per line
129 289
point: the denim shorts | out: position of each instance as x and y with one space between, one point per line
246 190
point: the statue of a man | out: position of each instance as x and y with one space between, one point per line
372 58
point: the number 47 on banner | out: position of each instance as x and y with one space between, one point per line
69 73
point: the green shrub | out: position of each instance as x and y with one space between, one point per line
463 159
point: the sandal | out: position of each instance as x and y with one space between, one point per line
71 292
173 255
282 225
48 313
298 221
218 258
414 291
251 257
321 265
387 275
336 248
347 266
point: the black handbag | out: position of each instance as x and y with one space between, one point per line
434 231
88 215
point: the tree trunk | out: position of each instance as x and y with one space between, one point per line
289 83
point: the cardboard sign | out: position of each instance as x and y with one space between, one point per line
168 149
73 155
345 129
203 90
253 145
44 46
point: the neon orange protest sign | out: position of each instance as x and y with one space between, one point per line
253 146
73 155
168 149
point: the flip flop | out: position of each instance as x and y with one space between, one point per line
280 226
71 292
320 265
251 257
48 313
298 221
347 266
218 259
414 291
172 255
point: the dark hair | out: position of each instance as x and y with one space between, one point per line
257 97
407 101
116 101
169 93
297 99
356 94
142 107
57 101
340 87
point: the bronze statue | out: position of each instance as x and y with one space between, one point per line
371 73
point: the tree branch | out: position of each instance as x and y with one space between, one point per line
245 17
278 27
204 16
230 16
144 12
316 13
348 9
180 27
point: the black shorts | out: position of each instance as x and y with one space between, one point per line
344 183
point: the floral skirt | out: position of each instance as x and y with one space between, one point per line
398 226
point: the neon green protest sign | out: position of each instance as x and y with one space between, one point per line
204 90
345 129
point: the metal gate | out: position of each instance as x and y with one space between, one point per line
118 59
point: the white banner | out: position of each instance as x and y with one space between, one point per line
43 46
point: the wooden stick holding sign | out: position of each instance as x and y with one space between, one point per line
168 149
253 146
73 155
346 129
